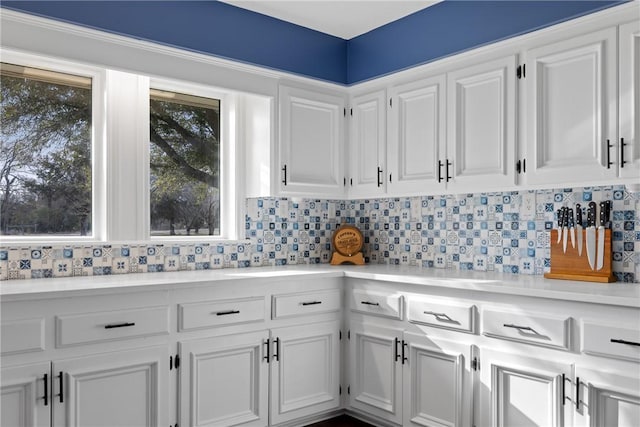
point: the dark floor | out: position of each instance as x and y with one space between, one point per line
341 421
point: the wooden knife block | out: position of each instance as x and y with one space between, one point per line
570 266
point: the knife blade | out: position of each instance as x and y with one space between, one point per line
572 228
565 228
600 248
591 234
559 225
579 227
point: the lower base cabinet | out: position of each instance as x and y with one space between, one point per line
608 398
224 380
120 389
438 381
518 390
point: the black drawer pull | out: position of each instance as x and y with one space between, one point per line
119 325
46 390
370 303
225 313
442 317
61 378
523 328
312 303
619 341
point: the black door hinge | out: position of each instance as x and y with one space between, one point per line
475 364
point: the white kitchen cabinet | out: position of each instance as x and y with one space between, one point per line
518 390
375 370
305 370
26 396
368 145
437 382
571 103
225 380
481 125
629 98
417 137
125 388
311 147
607 398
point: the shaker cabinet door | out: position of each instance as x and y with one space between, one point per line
26 396
629 71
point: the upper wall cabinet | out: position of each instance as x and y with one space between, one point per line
311 155
481 126
629 98
416 136
571 92
367 144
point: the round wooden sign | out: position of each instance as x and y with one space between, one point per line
347 240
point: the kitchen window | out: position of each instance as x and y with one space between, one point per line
184 164
47 145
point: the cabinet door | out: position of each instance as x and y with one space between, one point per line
571 110
416 136
481 138
23 400
305 370
224 381
367 145
375 371
311 143
629 100
610 399
120 389
437 382
519 390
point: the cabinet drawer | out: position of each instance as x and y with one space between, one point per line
540 329
306 303
111 325
219 313
611 341
20 336
378 303
442 314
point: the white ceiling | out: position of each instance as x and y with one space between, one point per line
341 18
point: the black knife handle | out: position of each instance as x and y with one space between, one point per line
608 208
579 214
603 213
592 214
559 218
571 221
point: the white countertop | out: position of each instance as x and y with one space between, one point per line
621 294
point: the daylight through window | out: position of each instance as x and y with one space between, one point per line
184 164
45 153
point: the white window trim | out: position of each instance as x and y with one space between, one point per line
109 212
98 138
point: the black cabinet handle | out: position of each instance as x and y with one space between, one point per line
622 145
577 393
266 352
440 171
61 379
397 353
609 162
563 390
619 341
312 303
119 325
519 166
225 313
448 164
370 303
379 176
276 344
46 389
284 169
404 358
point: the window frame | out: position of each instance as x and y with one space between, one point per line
105 154
98 140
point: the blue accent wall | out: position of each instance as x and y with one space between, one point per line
226 31
451 27
209 27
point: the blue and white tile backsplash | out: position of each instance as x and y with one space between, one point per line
503 232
